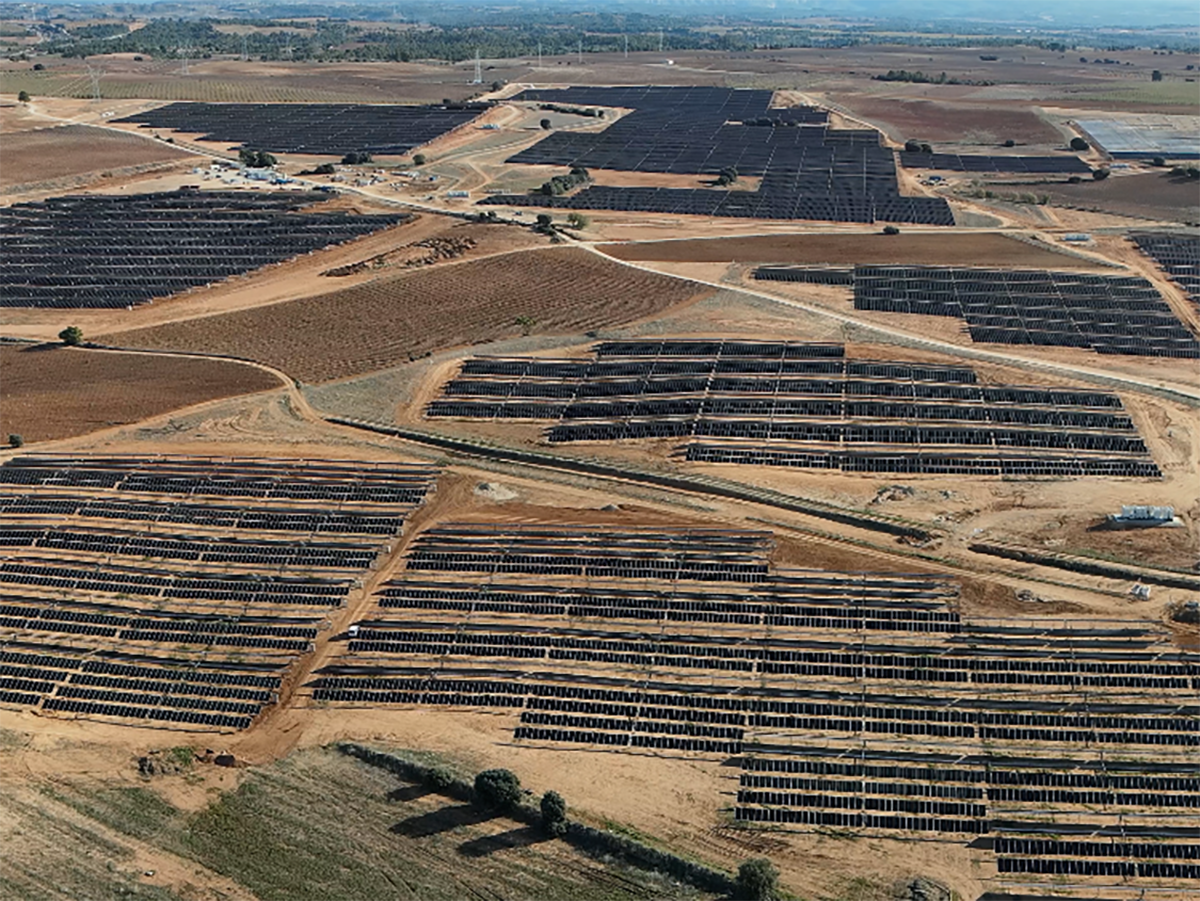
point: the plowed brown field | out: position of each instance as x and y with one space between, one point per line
56 392
48 153
391 321
974 249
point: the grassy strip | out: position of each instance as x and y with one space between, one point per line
592 841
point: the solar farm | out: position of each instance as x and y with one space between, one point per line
114 252
183 589
804 405
682 443
331 129
860 701
1107 314
808 170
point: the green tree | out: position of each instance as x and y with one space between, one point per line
544 220
498 789
440 778
357 158
927 148
757 880
545 123
1079 144
578 220
16 441
256 159
418 159
554 813
727 176
912 146
72 336
891 230
1156 75
1099 174
23 97
497 85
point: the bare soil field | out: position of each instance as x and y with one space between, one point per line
388 321
950 123
49 153
1155 195
57 392
935 249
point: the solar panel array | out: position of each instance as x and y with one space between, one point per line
1106 313
854 701
955 162
804 405
107 610
316 128
112 251
1178 255
807 170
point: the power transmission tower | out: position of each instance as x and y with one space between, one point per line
183 64
245 52
478 69
581 51
539 54
660 40
627 46
94 74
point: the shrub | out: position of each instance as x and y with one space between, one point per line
1159 161
1074 180
912 146
891 230
578 220
72 336
1156 75
1100 174
440 778
418 159
23 97
38 67
927 148
498 789
1010 143
1079 144
16 441
554 813
545 123
497 85
756 880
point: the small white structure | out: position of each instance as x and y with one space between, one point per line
1141 516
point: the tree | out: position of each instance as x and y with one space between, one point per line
891 230
912 146
1099 174
545 123
756 880
354 158
440 778
16 441
578 220
497 85
1079 144
1159 161
1010 143
324 169
72 336
554 813
23 97
544 220
727 176
418 159
256 159
927 148
498 789
1156 75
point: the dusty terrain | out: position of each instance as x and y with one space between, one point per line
388 321
379 344
74 150
56 392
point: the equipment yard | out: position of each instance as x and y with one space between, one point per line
669 431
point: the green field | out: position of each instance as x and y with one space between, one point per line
315 825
